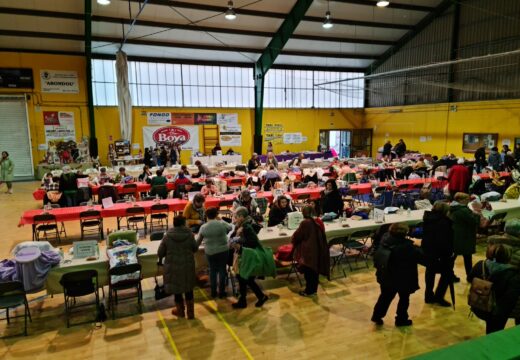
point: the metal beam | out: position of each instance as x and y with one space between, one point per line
88 81
392 5
454 47
439 10
267 59
189 27
269 14
117 40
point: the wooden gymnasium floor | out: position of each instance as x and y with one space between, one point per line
335 325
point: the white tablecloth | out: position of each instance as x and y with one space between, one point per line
213 160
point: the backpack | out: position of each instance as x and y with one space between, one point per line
381 263
481 297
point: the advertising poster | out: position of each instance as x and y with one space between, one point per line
183 118
59 125
205 119
185 136
230 135
273 133
292 138
159 118
59 82
227 119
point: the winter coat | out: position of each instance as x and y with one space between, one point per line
458 178
332 202
465 224
311 248
511 241
277 215
402 265
6 170
192 216
387 149
494 160
177 248
437 242
480 156
506 285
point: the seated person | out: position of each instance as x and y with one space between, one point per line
104 178
271 160
215 149
279 210
46 181
270 177
145 175
53 195
253 163
331 200
209 188
245 200
254 181
419 164
122 177
181 179
203 170
194 213
158 179
230 152
297 161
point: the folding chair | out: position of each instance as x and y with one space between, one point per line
46 224
128 189
77 284
12 295
130 283
134 216
235 184
301 201
336 255
358 242
227 205
106 191
159 216
159 190
62 228
91 222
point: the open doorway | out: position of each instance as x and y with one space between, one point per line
348 142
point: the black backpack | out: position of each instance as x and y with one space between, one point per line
382 262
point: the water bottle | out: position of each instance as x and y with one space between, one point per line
401 209
408 212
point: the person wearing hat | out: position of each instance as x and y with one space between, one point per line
458 178
464 224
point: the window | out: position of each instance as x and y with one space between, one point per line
176 85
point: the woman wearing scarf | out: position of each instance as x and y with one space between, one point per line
194 213
311 251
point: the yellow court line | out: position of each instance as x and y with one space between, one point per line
226 325
169 336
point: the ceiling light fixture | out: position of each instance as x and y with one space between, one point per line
383 3
103 2
327 23
230 12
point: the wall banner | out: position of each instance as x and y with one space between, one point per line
273 133
205 119
169 118
185 136
59 126
59 82
230 135
159 118
227 119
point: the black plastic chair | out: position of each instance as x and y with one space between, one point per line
106 191
114 287
46 224
159 216
78 284
358 242
91 222
134 216
159 190
12 295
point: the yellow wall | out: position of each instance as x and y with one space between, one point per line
443 124
39 102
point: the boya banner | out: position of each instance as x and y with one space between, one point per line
185 136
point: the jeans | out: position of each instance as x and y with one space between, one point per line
188 296
311 280
244 283
217 267
384 301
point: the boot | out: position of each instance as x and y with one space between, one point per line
190 309
178 310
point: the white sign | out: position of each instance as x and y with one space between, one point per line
292 138
506 142
84 249
185 136
379 216
227 119
230 135
59 82
159 118
59 125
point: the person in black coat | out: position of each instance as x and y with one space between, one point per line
437 247
331 200
480 159
399 277
506 285
279 210
253 163
387 149
147 157
400 148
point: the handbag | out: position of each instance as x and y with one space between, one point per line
481 297
236 258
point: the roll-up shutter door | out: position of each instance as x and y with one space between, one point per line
14 135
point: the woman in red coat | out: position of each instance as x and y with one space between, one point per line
311 251
458 178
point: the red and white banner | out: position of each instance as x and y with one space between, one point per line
185 136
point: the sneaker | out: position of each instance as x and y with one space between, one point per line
261 301
406 322
443 303
377 321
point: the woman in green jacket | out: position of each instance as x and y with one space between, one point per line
6 172
465 224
